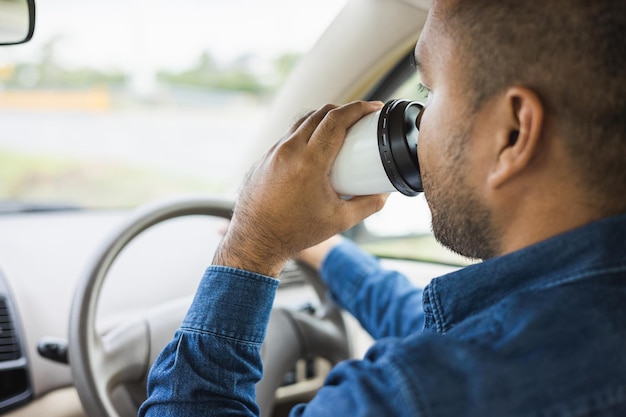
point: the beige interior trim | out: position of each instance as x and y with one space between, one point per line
422 4
378 72
59 403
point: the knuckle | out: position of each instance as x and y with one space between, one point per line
328 128
296 123
284 152
324 139
301 119
334 115
327 108
332 119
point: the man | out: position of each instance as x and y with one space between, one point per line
523 155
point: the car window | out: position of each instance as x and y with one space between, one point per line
162 99
402 229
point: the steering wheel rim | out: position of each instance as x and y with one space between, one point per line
101 363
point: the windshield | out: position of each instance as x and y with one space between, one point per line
117 103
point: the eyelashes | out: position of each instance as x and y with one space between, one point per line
424 92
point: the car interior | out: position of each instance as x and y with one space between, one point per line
91 290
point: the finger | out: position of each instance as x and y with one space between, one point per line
302 128
291 131
331 131
310 123
359 208
295 125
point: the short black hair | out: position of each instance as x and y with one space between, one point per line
572 53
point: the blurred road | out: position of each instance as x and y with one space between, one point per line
210 143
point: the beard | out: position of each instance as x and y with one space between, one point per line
460 221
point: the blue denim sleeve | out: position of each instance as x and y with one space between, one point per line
385 302
378 385
211 366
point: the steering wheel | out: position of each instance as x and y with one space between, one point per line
110 370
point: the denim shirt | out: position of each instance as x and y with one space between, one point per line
538 332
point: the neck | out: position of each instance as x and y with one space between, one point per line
544 213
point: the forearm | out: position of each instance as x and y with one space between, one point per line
384 302
211 366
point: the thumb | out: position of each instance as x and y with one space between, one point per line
362 207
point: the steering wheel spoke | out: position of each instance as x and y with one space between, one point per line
124 354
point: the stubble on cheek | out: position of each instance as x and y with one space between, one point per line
460 220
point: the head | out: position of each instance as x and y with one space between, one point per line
525 95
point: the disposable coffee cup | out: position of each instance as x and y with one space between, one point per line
379 154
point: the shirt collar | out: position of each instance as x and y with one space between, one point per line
568 257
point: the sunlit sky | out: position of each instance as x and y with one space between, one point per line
127 34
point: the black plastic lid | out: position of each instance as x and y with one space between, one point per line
397 143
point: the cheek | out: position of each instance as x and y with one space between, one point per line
444 135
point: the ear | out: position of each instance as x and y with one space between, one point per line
520 138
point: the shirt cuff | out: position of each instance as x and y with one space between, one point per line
233 304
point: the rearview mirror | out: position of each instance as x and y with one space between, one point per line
17 21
